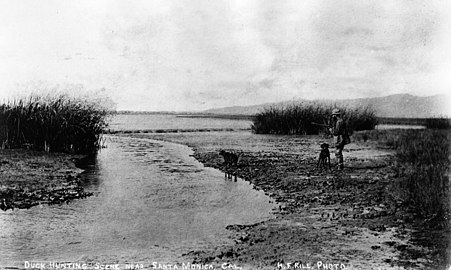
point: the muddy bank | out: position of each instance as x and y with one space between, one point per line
29 178
357 218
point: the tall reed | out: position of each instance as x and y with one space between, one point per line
299 119
438 123
424 163
52 123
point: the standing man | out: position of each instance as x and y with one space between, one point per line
338 129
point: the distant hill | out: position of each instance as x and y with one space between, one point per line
400 105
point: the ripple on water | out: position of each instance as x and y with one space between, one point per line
153 202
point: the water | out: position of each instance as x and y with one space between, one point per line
153 202
386 126
163 121
172 122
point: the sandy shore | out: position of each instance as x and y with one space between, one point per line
355 219
30 178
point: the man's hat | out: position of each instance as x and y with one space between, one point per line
336 111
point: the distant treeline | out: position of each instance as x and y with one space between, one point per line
52 123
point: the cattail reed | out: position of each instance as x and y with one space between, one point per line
423 156
422 165
438 123
299 119
52 123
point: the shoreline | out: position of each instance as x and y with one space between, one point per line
356 218
31 178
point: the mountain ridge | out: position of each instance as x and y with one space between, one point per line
397 105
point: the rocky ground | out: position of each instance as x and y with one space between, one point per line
29 178
356 218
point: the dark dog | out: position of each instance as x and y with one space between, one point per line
324 157
230 159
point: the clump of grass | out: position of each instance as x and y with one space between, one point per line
386 138
438 123
422 166
424 161
53 123
298 119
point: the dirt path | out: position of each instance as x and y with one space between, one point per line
327 219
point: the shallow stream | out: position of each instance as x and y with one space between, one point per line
152 202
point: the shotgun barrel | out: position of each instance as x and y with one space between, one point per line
321 125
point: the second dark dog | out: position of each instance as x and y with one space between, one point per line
324 157
230 159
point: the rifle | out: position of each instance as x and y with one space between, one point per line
327 130
321 125
329 125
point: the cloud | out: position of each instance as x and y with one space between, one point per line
191 50
354 49
180 55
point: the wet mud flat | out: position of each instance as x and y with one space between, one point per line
357 218
30 178
152 203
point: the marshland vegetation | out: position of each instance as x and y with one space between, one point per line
54 123
299 119
422 155
422 165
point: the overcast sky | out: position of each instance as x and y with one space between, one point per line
194 54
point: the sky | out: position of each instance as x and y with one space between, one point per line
179 55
